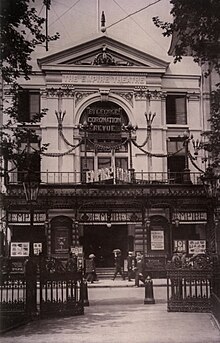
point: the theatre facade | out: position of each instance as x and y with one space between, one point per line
119 171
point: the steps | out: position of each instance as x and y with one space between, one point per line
105 273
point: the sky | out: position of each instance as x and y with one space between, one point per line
128 21
79 20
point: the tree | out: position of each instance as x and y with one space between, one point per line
195 31
21 33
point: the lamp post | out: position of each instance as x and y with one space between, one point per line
31 189
186 175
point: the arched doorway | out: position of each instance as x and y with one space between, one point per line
105 142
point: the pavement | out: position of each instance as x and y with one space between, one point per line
117 314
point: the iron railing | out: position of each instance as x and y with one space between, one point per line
39 291
137 177
189 286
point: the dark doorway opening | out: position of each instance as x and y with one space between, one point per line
101 241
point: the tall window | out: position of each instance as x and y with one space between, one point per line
29 165
28 104
176 160
176 109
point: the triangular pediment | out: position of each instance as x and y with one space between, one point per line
103 51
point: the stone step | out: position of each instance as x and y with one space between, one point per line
105 273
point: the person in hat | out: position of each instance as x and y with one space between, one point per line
91 269
118 266
139 270
130 265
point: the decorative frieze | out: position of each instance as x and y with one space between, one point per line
79 96
60 92
128 96
143 93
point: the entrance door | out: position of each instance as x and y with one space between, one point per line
101 241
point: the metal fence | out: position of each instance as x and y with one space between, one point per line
189 287
138 177
39 293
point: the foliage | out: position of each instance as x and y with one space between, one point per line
196 32
195 26
21 33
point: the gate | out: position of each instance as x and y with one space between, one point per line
189 285
44 290
61 291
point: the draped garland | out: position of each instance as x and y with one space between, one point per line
60 117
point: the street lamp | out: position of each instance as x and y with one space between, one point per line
186 174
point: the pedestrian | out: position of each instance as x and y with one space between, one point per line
118 266
139 270
130 265
91 269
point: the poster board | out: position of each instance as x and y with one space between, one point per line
157 240
197 246
180 246
20 249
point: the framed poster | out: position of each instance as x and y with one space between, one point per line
157 240
20 249
37 248
197 246
180 245
61 240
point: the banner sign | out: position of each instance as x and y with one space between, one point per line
113 217
25 217
103 174
104 118
190 216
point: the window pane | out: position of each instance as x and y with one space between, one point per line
87 163
180 110
176 165
34 104
176 109
104 162
121 162
170 110
23 106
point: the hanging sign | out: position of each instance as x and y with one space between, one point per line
113 217
110 173
104 120
190 216
25 217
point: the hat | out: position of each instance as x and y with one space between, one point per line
91 256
